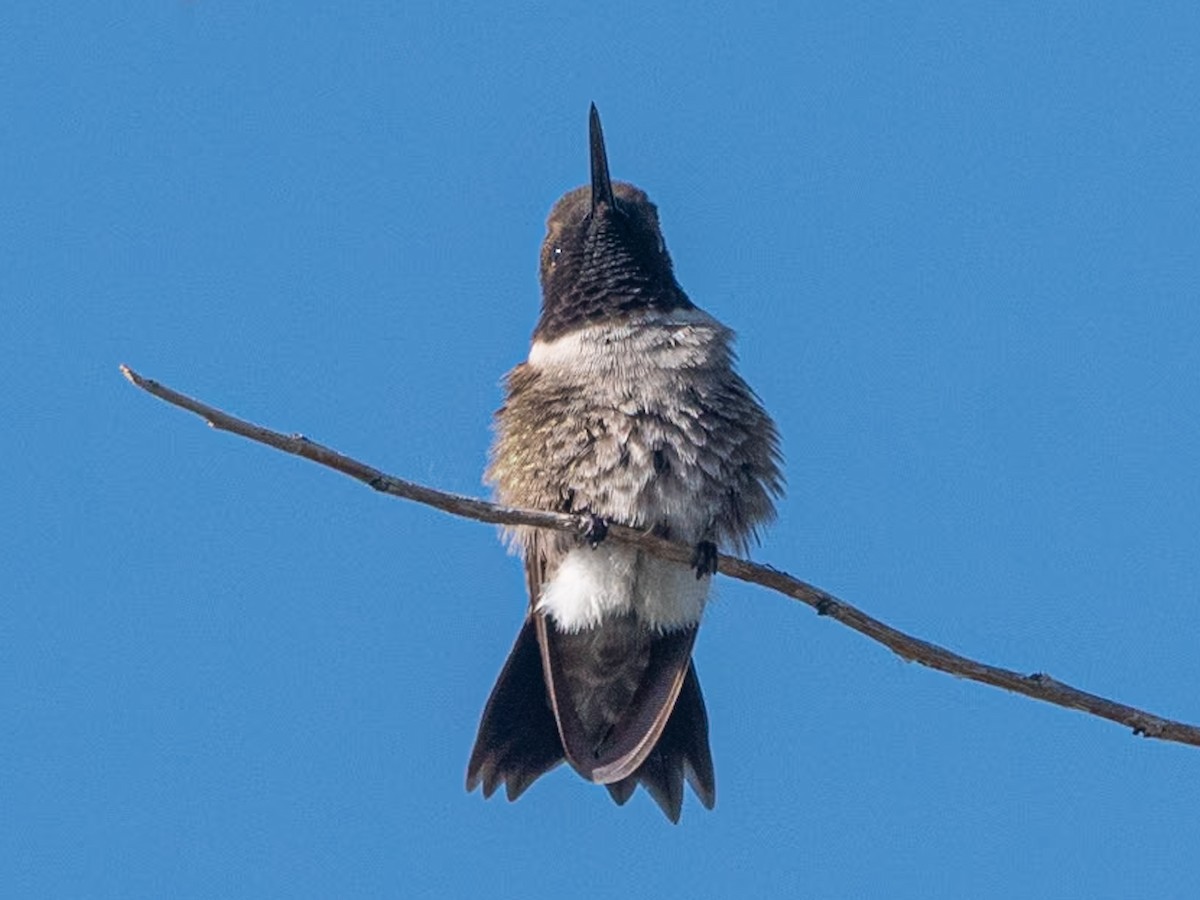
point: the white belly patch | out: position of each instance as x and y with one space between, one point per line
612 579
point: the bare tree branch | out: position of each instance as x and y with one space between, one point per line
1038 686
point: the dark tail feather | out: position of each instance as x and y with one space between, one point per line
681 752
518 739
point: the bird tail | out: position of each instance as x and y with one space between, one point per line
681 752
518 738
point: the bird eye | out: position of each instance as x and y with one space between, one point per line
555 254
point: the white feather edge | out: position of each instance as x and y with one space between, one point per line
662 341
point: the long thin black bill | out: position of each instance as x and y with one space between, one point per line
602 191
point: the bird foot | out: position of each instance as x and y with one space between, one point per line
704 559
595 531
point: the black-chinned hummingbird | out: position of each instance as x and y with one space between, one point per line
627 409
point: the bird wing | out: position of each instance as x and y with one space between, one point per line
612 688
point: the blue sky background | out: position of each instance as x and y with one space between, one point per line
959 244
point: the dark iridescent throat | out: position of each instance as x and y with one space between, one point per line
606 270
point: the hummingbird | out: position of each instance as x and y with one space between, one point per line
627 410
